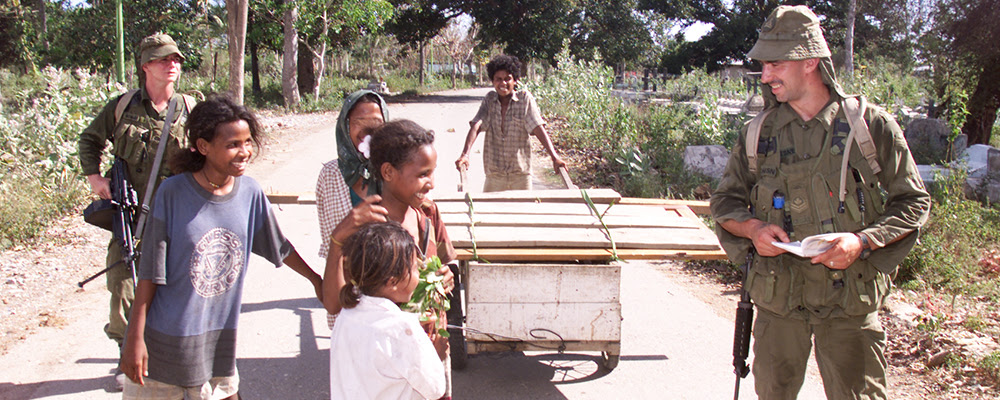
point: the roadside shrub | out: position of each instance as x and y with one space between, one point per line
953 243
40 121
885 83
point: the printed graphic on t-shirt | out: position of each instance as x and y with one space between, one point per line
217 262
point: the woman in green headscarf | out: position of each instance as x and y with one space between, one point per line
345 182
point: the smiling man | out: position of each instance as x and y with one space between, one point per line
817 161
133 123
509 116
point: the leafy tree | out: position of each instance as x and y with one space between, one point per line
15 35
528 29
618 33
880 29
82 35
959 49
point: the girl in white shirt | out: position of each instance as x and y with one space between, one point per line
382 352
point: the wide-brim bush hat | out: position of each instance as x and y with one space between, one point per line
157 47
790 33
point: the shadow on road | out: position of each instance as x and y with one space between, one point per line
54 387
305 376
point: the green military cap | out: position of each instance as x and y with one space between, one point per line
790 33
156 47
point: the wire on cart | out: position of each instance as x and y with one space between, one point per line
512 342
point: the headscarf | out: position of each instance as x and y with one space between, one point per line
354 165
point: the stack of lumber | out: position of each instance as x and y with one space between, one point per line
559 225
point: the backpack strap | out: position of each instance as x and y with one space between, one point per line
854 109
123 103
189 102
753 137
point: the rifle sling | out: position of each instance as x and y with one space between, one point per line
161 148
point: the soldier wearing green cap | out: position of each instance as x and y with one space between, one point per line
133 123
817 161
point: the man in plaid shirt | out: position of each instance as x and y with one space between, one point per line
509 117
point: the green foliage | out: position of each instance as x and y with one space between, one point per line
953 244
642 148
990 366
40 120
429 295
886 83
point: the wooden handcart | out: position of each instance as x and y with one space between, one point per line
539 269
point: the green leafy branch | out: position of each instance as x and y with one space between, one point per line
429 294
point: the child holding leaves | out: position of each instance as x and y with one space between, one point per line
381 351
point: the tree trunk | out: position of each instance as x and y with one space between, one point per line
306 71
454 72
983 105
289 88
320 70
423 61
255 69
236 31
852 12
43 25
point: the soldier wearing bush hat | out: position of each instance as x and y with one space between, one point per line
133 123
817 161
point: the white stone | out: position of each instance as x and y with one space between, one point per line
707 160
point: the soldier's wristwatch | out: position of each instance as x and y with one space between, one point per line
866 249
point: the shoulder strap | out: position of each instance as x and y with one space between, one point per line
753 136
154 172
189 102
854 109
123 103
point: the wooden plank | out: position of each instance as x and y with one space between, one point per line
291 198
454 207
543 283
572 321
699 207
598 196
597 255
625 238
569 221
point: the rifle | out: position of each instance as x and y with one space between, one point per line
124 208
744 325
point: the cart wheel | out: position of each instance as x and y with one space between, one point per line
609 361
456 316
459 353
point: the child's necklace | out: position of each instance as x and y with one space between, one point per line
212 184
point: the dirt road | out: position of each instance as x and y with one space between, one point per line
674 344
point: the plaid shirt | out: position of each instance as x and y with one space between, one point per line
507 149
333 202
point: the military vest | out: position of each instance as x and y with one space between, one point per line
802 197
137 134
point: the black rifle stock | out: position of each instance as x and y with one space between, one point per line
125 203
744 326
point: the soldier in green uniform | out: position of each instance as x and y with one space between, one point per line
792 183
133 123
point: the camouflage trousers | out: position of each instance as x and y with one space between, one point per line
849 352
122 291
